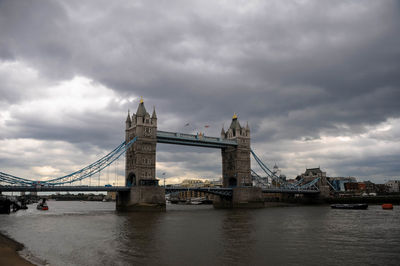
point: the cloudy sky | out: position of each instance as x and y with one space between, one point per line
317 81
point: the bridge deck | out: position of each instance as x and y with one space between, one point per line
60 188
193 140
290 191
226 192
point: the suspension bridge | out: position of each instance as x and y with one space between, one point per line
271 183
141 185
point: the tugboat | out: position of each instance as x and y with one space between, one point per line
361 206
42 205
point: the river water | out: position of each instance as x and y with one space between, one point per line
93 233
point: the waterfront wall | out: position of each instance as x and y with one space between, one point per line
394 199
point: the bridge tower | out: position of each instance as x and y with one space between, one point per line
236 169
236 160
140 165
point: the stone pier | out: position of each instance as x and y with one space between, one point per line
243 197
141 199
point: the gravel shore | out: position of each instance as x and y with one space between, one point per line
9 252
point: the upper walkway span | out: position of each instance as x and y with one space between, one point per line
193 140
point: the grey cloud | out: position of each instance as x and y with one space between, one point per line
103 129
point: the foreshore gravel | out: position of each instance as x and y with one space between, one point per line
9 252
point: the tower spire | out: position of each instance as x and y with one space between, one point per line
141 111
128 121
222 132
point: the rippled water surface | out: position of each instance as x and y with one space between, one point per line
93 233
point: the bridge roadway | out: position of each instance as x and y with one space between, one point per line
60 188
227 192
193 140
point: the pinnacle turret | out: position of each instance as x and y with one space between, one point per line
154 116
128 121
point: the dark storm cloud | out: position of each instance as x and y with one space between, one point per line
40 33
294 71
262 65
105 128
85 130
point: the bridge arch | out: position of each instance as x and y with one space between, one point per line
232 182
131 180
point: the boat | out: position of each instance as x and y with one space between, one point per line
42 205
195 202
360 206
387 206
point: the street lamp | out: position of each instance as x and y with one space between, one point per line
164 178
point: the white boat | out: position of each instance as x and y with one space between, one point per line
195 201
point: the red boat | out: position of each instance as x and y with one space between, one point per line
387 206
42 205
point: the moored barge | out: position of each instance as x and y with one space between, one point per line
361 206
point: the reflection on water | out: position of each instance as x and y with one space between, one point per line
238 234
138 237
93 233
